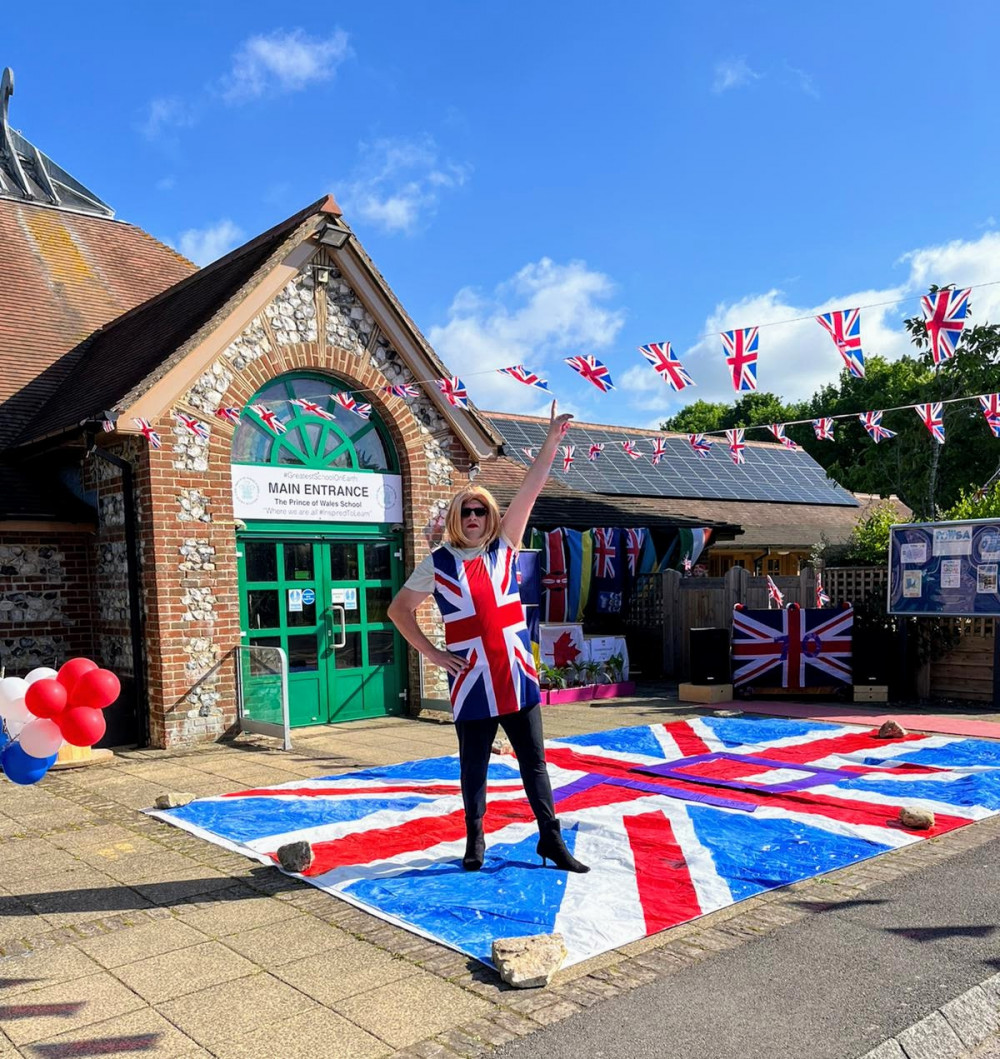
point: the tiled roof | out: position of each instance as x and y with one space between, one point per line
64 276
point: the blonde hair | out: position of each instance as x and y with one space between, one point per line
453 520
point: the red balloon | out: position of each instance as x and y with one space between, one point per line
96 689
81 725
46 698
71 671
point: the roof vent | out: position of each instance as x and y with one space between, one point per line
28 175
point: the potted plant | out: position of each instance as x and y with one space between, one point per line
555 681
616 686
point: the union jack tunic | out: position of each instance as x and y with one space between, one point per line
480 603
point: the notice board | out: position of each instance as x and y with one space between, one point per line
945 568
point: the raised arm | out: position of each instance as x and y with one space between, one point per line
515 520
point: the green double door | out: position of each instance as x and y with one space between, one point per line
324 600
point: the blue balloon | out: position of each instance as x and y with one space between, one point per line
22 768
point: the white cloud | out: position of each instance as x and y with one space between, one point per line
398 183
733 73
164 113
205 245
545 312
283 62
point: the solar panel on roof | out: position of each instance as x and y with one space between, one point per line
771 473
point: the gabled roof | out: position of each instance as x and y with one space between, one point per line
770 474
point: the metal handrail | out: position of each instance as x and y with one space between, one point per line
248 724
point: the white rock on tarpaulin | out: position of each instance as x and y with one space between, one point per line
529 962
916 819
173 801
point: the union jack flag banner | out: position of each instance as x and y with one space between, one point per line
229 415
991 409
522 374
530 453
736 446
633 548
312 408
404 390
659 451
945 312
844 327
631 450
666 364
363 410
676 820
148 432
774 594
595 450
192 424
872 422
454 391
741 356
778 430
346 400
269 418
604 552
932 416
794 648
822 599
592 370
568 451
108 425
700 444
823 429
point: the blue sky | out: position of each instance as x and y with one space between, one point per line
537 180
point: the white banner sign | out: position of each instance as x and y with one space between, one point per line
303 495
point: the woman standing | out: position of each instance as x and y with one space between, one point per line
491 671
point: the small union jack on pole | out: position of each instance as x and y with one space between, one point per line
736 446
700 444
592 370
774 594
148 432
822 599
945 312
666 364
932 416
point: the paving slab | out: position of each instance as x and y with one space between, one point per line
344 971
141 942
316 1033
21 975
295 938
141 1032
181 971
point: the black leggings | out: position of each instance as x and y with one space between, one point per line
524 730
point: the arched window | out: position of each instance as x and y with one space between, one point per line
330 437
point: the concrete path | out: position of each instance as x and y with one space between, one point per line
121 934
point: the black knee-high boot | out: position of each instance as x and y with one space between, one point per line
552 847
475 845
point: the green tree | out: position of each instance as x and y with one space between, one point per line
976 504
868 544
697 418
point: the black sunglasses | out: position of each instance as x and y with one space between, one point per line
478 512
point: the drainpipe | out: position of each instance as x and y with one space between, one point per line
134 607
759 559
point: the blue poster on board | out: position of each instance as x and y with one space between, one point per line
945 568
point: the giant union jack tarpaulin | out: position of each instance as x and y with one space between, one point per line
675 820
793 648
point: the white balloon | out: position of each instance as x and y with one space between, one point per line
15 713
12 689
40 738
41 673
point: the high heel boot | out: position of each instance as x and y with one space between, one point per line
552 847
475 845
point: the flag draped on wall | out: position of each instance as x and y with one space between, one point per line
573 543
555 577
609 571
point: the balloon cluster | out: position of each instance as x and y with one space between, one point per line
47 708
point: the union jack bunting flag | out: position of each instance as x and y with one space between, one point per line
605 552
844 327
483 616
945 312
823 429
633 548
454 391
530 453
736 446
778 430
774 593
269 418
229 415
932 416
796 648
568 451
404 390
190 423
108 425
872 422
666 364
148 432
631 450
592 370
522 374
312 408
595 450
991 409
675 820
363 410
822 599
659 451
741 356
700 444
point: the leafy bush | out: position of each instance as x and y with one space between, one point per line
868 544
976 504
